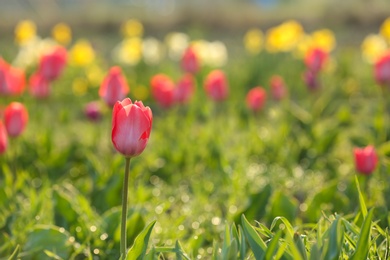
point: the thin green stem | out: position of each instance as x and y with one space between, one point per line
124 209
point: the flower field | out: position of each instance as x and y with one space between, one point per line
275 145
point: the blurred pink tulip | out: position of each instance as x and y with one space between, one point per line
310 79
185 88
12 80
93 112
3 138
256 98
163 90
131 126
382 70
15 119
365 159
278 87
216 85
190 61
315 59
114 86
52 64
39 86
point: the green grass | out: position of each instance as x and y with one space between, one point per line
220 182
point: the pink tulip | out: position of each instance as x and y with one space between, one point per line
216 85
310 79
315 59
15 119
52 64
382 70
185 89
131 126
39 86
190 61
256 98
3 138
278 87
365 159
114 86
12 80
93 111
163 90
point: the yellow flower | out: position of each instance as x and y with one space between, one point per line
177 43
324 39
129 51
62 33
372 47
303 46
132 28
25 31
82 53
253 41
385 29
284 37
80 86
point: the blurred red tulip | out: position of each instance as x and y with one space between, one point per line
256 98
190 61
52 64
365 159
114 86
278 87
12 80
93 111
185 89
39 86
216 85
163 90
382 70
311 80
3 138
315 59
15 118
131 126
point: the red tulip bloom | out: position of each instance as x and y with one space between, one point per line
311 80
190 61
365 159
185 89
382 70
163 90
216 85
15 118
278 87
256 98
315 59
52 64
39 86
131 126
3 138
93 111
12 80
114 86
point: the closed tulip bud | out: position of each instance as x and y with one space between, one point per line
93 111
3 138
310 79
256 98
216 85
131 126
190 61
52 64
382 70
278 87
39 86
15 118
365 159
163 90
315 59
185 89
114 86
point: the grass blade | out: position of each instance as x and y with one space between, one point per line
255 242
363 244
138 250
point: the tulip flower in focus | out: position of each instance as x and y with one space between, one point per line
366 159
163 90
216 85
382 70
315 59
15 119
62 33
278 87
185 89
256 98
12 80
3 138
39 86
190 61
53 63
114 86
92 111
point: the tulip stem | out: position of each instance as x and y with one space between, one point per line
124 209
